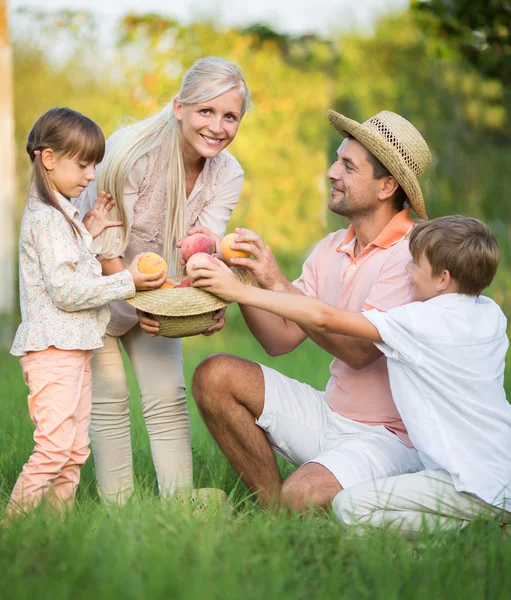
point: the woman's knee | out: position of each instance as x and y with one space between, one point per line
163 405
110 391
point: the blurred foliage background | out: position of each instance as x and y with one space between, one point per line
445 65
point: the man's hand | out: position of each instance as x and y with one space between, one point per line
150 326
96 220
264 267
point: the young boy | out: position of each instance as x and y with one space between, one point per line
445 354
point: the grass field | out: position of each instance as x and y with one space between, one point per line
146 550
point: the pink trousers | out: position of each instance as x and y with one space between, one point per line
59 405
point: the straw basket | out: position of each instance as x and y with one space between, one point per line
182 312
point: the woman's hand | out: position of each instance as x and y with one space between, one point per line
145 282
220 319
206 231
96 220
264 267
150 326
218 279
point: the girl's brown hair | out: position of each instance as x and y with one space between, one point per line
68 133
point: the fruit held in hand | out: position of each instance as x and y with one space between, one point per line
228 252
152 263
198 242
168 285
197 259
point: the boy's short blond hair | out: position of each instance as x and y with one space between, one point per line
464 246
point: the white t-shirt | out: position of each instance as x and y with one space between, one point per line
445 359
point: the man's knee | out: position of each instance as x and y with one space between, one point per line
219 372
211 376
311 486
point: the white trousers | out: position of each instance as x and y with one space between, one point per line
158 366
411 502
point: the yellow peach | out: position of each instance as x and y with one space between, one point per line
228 252
152 263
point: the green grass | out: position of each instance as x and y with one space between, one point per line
147 550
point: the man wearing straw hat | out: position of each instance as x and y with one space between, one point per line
352 432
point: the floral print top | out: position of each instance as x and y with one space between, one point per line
63 295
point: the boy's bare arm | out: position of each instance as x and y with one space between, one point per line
310 313
316 319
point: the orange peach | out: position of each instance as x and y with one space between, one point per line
198 242
152 263
168 285
228 252
196 259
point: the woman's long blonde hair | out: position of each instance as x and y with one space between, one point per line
206 79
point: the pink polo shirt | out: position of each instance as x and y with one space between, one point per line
376 278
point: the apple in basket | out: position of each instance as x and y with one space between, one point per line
168 285
195 243
197 259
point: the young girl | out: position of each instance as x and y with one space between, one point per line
168 174
64 304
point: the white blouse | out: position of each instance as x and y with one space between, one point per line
63 295
210 204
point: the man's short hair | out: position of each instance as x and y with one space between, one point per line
379 171
464 246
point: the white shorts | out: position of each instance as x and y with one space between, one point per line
302 428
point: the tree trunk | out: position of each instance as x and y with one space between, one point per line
7 178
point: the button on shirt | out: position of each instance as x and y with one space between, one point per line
446 364
63 295
375 278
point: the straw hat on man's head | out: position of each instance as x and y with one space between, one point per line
396 143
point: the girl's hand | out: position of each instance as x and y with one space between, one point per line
145 282
96 220
206 231
218 279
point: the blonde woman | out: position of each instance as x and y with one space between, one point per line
167 174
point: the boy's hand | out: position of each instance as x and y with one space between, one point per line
96 220
218 279
145 282
205 231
